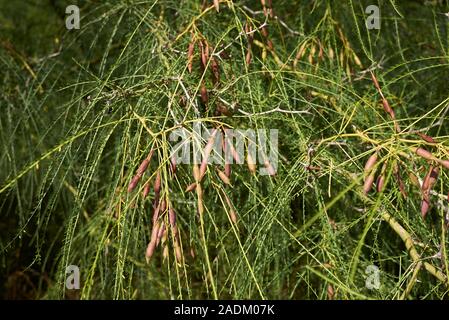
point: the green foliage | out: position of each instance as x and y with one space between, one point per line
82 108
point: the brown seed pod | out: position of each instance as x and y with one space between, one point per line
172 216
224 177
426 138
143 167
251 163
157 183
232 214
204 95
217 5
146 189
397 174
133 184
248 56
215 71
190 52
330 292
196 172
191 187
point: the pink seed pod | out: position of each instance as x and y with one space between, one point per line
426 138
227 170
150 250
368 183
178 252
207 150
380 183
191 187
133 184
157 183
173 164
172 216
270 168
371 162
156 213
423 153
425 206
160 233
146 189
444 163
217 5
143 167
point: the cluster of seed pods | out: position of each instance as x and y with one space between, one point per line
208 62
429 181
164 215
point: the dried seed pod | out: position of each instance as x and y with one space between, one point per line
178 252
215 71
248 56
217 5
300 54
414 179
191 187
357 60
251 163
330 292
224 177
190 52
204 95
199 192
331 53
232 214
398 177
371 162
196 173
